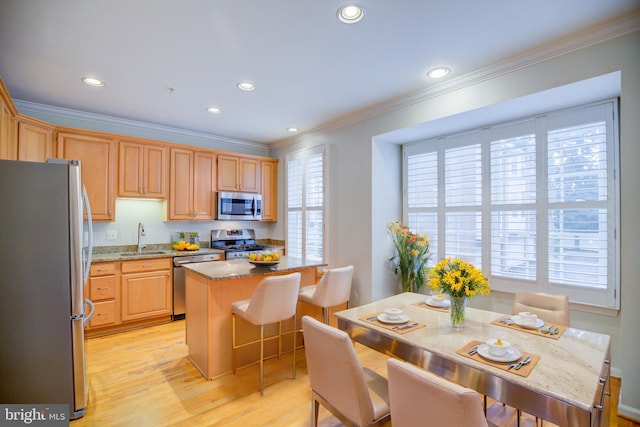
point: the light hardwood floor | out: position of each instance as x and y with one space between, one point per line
143 378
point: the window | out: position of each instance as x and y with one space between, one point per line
534 203
305 204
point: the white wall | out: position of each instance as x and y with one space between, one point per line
368 173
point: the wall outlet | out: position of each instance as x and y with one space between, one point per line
112 234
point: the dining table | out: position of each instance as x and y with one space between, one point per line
565 379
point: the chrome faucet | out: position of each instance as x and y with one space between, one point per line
140 234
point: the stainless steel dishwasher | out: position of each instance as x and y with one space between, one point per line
179 277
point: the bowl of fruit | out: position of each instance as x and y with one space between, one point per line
264 259
184 246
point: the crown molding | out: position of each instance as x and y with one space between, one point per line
140 129
607 30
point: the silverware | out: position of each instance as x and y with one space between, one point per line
520 364
473 350
371 319
407 326
507 321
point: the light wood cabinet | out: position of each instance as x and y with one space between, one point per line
103 291
142 170
8 133
97 157
147 290
269 189
238 174
35 141
192 185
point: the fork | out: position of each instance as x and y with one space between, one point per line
518 365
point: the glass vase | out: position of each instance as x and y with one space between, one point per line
457 311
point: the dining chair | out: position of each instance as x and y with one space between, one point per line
549 307
273 301
355 395
333 289
421 399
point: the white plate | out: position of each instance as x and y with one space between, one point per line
433 302
384 319
511 355
520 322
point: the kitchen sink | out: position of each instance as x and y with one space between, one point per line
143 253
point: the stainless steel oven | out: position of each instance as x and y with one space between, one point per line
236 243
239 206
179 278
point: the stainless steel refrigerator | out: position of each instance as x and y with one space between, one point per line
43 267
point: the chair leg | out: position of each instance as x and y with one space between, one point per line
294 346
279 339
315 407
261 359
325 315
233 343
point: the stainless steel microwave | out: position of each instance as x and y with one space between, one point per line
239 206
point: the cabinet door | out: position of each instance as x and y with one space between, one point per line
146 295
204 184
35 142
181 185
8 133
97 157
130 169
228 173
249 175
154 172
142 171
269 186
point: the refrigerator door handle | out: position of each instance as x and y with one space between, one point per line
87 267
91 307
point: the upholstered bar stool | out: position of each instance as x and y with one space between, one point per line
333 289
273 301
421 399
548 307
356 396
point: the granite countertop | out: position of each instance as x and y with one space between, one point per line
117 255
237 268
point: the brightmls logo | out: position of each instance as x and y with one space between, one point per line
38 415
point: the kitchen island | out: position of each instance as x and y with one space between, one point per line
211 288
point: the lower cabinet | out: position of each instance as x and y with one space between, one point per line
146 289
129 294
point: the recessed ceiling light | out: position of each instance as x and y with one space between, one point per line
437 73
246 86
292 129
92 81
213 110
350 13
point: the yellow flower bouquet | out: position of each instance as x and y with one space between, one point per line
411 256
461 280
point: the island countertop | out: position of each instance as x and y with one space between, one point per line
238 268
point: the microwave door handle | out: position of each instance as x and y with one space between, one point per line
253 206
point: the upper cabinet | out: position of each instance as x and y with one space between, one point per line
192 185
143 170
269 189
237 173
98 161
8 127
35 140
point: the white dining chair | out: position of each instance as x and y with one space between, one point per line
421 399
333 289
273 301
551 308
355 395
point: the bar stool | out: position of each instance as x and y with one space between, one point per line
274 300
548 307
333 289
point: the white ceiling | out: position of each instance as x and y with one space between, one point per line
309 68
